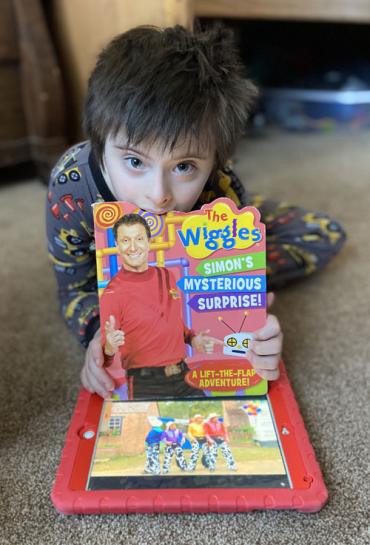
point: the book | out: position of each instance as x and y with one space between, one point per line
181 295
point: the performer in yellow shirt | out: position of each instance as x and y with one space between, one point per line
198 441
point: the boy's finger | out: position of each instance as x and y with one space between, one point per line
96 359
95 354
84 380
100 374
112 321
104 380
271 347
269 330
100 390
264 363
269 375
270 299
88 381
101 383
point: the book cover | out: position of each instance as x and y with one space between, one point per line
180 297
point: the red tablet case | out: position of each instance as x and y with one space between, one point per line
308 492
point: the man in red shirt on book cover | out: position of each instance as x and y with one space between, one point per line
141 310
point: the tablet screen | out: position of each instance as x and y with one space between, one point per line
208 443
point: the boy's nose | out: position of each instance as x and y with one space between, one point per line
160 193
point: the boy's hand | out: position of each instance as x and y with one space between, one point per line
266 346
114 338
203 343
93 376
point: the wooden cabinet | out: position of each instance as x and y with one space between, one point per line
32 116
355 11
83 27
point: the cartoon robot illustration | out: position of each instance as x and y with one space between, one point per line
237 343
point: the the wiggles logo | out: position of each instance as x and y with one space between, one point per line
218 227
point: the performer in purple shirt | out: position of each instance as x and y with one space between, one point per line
173 439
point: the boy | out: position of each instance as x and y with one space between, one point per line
163 113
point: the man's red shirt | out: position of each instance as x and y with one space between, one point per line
147 307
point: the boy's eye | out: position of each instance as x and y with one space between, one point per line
134 162
185 168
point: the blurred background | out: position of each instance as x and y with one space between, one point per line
310 58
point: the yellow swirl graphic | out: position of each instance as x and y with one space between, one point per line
106 215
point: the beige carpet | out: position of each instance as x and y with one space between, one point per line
327 341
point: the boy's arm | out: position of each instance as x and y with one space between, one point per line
298 242
72 253
69 226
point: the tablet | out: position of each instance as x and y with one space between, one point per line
189 455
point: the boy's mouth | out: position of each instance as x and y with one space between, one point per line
156 212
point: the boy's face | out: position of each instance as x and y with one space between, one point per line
155 180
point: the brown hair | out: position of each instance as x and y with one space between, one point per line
167 85
131 219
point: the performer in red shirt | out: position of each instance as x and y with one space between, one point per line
141 310
218 438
